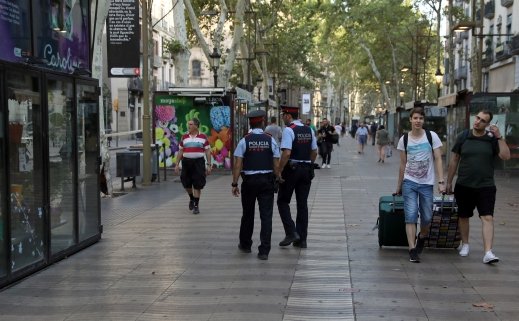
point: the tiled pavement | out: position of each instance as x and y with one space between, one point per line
156 261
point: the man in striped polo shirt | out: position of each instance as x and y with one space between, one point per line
193 145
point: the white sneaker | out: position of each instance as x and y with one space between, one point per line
490 258
328 165
464 251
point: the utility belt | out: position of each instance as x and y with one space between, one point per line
295 164
256 176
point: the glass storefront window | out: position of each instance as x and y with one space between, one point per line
26 178
505 109
60 98
87 155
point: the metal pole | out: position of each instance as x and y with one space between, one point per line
146 139
479 83
215 76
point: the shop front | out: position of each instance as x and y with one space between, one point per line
49 136
462 108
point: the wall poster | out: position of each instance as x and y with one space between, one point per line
170 117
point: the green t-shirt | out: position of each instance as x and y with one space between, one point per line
477 155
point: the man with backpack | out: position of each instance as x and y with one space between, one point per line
420 160
473 158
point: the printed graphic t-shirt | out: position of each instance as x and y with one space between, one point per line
420 161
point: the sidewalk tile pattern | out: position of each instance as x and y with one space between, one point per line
157 261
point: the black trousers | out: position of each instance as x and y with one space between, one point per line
297 179
258 187
325 150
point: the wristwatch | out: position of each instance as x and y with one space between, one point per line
234 184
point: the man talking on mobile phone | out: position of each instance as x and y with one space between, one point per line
473 157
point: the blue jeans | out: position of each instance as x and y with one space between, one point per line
418 198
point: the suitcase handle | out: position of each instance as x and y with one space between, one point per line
443 201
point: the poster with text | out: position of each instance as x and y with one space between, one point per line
16 37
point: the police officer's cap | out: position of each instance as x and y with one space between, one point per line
290 110
256 116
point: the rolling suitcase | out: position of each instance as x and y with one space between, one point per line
444 232
391 221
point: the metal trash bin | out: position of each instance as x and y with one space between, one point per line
153 162
128 165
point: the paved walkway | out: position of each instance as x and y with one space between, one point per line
156 261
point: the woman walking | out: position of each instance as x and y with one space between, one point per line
382 142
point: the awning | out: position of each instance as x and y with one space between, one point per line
447 100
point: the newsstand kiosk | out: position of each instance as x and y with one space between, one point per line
49 138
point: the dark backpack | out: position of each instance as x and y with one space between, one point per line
429 138
465 135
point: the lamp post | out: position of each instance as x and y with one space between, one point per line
259 82
215 62
439 77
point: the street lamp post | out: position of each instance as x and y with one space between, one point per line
215 62
259 82
439 77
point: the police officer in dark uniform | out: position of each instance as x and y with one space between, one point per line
299 151
256 160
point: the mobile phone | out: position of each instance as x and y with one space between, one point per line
491 134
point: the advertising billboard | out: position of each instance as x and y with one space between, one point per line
123 39
16 37
171 115
60 33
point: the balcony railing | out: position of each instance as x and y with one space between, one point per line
503 51
507 3
514 45
487 58
490 9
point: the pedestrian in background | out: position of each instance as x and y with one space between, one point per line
373 131
473 156
256 160
192 147
362 137
274 130
353 130
382 142
416 179
338 131
309 124
296 168
324 134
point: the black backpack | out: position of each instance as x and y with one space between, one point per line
465 136
427 133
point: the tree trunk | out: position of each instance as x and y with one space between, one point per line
376 72
223 75
181 59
